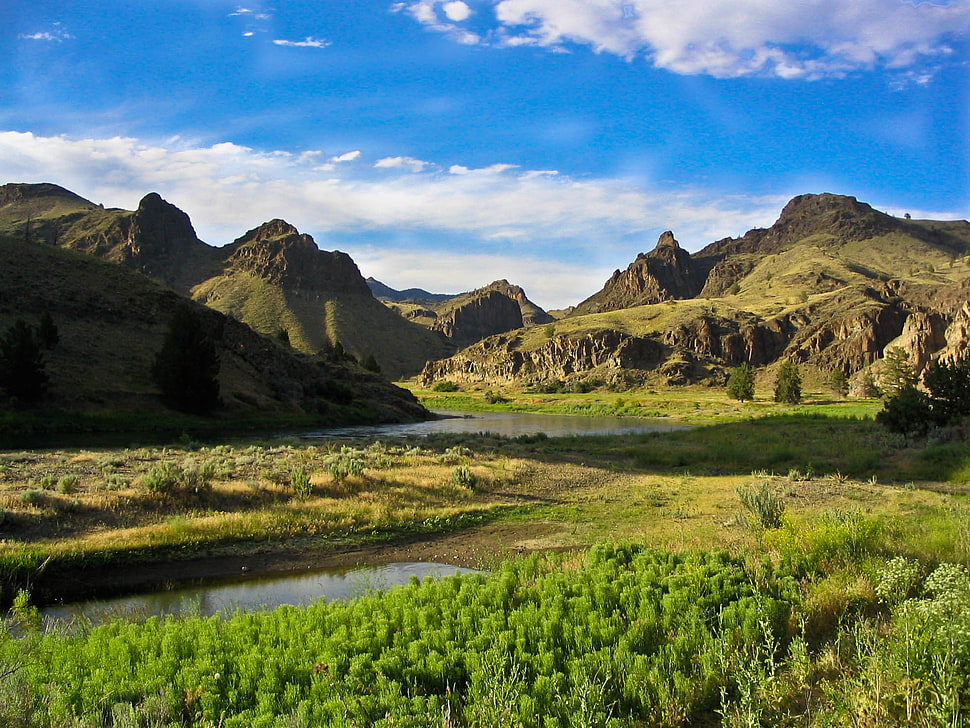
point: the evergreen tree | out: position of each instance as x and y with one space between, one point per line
897 372
949 387
908 412
788 385
870 390
839 382
740 384
22 365
186 368
47 331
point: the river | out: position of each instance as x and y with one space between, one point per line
248 594
507 424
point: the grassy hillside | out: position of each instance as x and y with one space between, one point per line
111 322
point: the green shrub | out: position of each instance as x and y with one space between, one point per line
48 481
163 479
759 500
68 484
33 497
464 477
344 464
300 483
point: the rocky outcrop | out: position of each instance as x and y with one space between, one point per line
276 252
532 315
484 314
663 274
500 359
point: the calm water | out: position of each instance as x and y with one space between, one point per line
508 424
252 594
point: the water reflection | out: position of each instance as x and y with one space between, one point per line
507 424
251 594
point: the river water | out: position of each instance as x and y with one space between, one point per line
507 424
250 594
269 591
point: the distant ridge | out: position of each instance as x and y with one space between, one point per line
833 284
410 295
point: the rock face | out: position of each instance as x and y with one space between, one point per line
532 315
276 252
499 359
485 313
663 274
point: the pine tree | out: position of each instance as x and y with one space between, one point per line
788 386
186 368
897 373
740 384
839 382
22 374
949 387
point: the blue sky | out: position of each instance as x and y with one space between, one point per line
446 143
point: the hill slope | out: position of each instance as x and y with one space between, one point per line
833 283
273 278
111 322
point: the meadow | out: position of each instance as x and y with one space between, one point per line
799 567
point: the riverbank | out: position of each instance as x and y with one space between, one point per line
78 521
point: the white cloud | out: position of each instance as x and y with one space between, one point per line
730 38
308 42
56 35
457 11
549 283
347 157
409 163
426 12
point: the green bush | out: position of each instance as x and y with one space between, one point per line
68 484
163 479
464 477
33 497
300 483
761 502
345 464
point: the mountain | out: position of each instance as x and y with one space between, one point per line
111 322
272 278
667 272
408 295
276 279
467 317
832 283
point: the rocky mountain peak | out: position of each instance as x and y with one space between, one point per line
667 240
664 273
279 253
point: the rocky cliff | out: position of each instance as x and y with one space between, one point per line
478 316
664 273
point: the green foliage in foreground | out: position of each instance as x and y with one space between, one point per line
629 638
